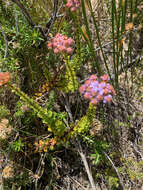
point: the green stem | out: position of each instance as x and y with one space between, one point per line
77 32
69 70
114 43
90 43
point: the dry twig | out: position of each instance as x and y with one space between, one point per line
120 181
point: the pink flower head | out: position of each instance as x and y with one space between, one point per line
94 93
105 77
97 90
99 97
56 50
61 44
87 82
111 89
94 84
87 95
106 91
73 4
70 41
94 101
102 85
88 89
107 98
93 77
50 45
73 9
69 50
4 78
82 89
101 91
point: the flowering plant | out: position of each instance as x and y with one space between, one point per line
73 4
4 78
97 90
61 44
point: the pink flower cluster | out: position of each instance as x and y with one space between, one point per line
61 44
97 91
4 78
73 4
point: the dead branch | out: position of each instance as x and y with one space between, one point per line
52 19
120 181
27 16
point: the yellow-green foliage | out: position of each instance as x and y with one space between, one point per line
135 169
113 182
4 112
51 118
73 65
78 43
85 122
71 83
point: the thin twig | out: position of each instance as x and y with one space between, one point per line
5 40
52 19
71 178
138 152
58 11
67 107
40 169
136 145
83 157
108 43
120 181
60 15
2 181
69 183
